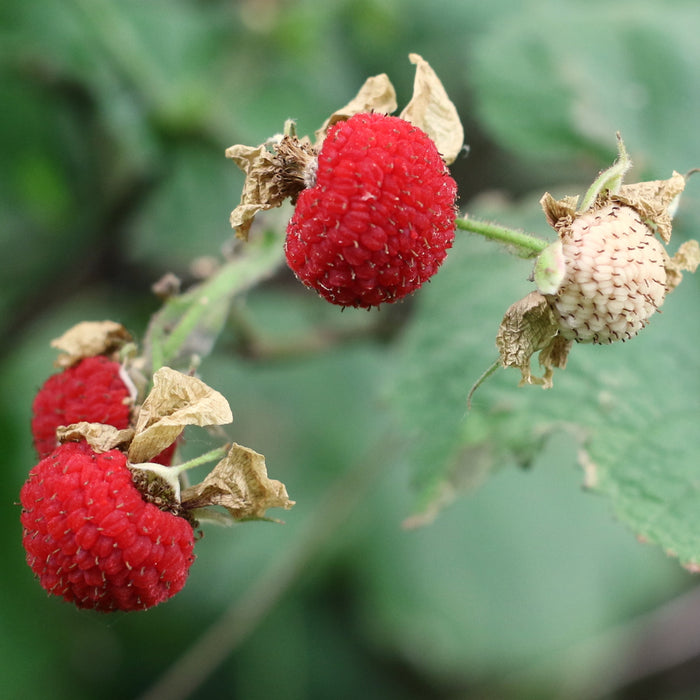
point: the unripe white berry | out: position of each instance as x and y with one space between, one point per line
615 276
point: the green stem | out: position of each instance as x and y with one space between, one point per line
195 318
171 475
215 455
527 246
491 370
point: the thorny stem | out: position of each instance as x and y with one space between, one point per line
526 245
244 614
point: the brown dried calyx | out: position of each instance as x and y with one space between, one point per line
175 401
604 277
238 484
284 165
90 338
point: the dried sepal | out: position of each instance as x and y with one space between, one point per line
239 484
377 94
431 110
168 286
686 259
654 200
554 355
558 212
89 338
99 436
528 326
176 400
261 187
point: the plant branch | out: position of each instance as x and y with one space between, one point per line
188 324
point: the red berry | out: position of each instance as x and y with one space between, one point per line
92 539
92 390
380 217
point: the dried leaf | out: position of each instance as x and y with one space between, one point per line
100 437
431 110
376 95
527 327
261 189
175 401
239 483
654 201
88 339
687 258
558 211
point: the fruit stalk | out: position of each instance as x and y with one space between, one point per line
525 245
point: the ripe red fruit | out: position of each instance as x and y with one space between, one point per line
92 539
379 219
92 390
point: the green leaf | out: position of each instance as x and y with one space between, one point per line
527 572
580 72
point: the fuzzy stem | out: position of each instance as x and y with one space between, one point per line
198 315
215 455
527 246
491 370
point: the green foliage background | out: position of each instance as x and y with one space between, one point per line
114 120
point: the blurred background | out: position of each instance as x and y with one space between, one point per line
113 124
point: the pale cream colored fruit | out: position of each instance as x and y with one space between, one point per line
615 276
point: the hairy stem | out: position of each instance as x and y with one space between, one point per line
190 323
525 245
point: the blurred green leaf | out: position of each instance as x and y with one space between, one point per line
558 79
514 575
188 210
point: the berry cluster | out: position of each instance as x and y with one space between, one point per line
90 535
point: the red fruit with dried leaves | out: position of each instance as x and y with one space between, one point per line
380 216
93 540
92 390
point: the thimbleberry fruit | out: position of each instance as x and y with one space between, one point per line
379 217
93 540
92 390
615 276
